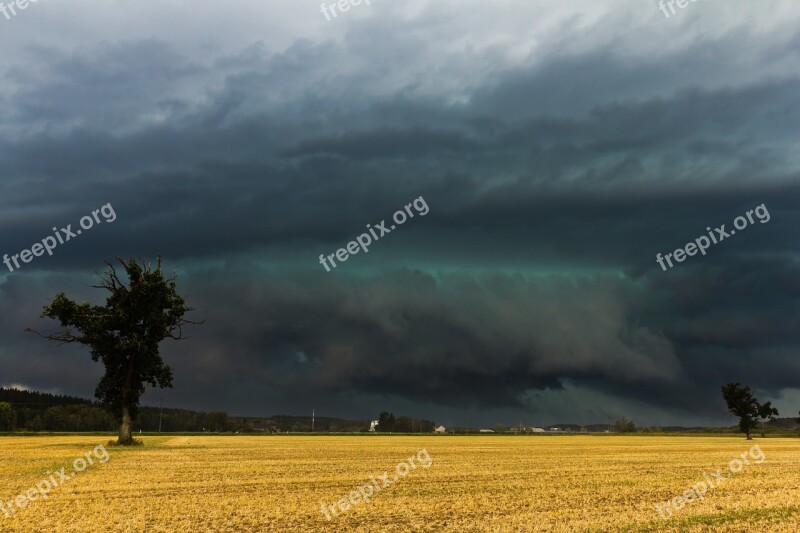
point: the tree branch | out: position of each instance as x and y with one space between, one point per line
62 337
179 326
110 279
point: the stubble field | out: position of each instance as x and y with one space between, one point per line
477 483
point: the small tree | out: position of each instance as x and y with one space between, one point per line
386 422
766 412
623 425
742 404
217 421
8 417
125 334
403 424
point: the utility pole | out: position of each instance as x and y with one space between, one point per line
312 421
160 415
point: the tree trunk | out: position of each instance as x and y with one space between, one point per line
125 427
749 437
125 438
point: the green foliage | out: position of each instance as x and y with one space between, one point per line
34 398
623 425
8 418
743 404
283 423
386 422
36 411
172 420
404 424
217 421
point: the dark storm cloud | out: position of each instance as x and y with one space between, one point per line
479 341
103 90
323 197
377 144
454 340
552 186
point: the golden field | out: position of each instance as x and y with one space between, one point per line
475 483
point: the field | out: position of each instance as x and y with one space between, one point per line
478 483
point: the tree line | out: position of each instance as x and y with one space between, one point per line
387 423
36 411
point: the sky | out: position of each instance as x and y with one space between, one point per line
557 148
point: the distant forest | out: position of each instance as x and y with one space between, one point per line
37 411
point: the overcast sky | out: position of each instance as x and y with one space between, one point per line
559 146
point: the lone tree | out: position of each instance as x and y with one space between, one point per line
741 403
386 422
623 425
125 334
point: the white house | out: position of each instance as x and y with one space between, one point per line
373 426
440 429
